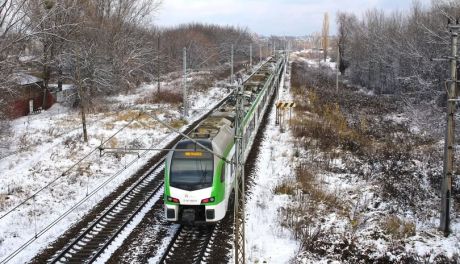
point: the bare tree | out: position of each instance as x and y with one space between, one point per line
392 53
12 37
109 50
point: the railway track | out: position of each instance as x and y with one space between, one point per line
92 240
190 244
88 246
97 236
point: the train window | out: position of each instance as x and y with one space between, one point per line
191 174
192 170
222 174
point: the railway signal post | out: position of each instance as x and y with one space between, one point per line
448 171
281 107
239 216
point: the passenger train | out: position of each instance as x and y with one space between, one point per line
198 184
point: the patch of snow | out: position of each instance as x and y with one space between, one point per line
24 78
47 145
267 241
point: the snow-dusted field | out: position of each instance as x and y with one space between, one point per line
267 240
44 148
360 221
364 222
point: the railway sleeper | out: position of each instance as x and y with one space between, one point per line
117 221
104 234
79 258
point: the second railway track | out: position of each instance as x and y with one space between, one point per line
190 244
92 240
89 245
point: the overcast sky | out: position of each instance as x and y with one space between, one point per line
269 17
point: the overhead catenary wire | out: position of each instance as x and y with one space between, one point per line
94 191
184 135
65 214
57 220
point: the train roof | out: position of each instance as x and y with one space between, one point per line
225 115
212 125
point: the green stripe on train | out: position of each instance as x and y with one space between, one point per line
218 187
167 190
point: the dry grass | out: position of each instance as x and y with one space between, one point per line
285 187
127 115
398 228
330 130
203 83
178 123
141 121
113 142
312 187
4 201
24 142
164 96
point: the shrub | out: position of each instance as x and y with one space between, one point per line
285 187
178 123
3 201
398 228
164 96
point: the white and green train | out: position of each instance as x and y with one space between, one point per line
198 184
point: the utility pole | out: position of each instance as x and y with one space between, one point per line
184 91
82 94
260 53
158 64
231 63
448 171
337 69
325 35
250 55
286 52
239 216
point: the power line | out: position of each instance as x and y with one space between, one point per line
57 220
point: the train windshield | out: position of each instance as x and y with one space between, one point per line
192 167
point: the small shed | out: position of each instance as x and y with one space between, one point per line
66 95
29 96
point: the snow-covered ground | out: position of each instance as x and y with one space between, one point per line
364 222
313 58
359 221
43 149
266 240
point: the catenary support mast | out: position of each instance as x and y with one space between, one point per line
239 216
448 171
184 88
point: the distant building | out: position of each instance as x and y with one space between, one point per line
29 95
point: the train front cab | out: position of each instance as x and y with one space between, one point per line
189 185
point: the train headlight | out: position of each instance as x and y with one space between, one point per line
208 200
172 199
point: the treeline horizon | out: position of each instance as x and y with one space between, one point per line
107 46
396 52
